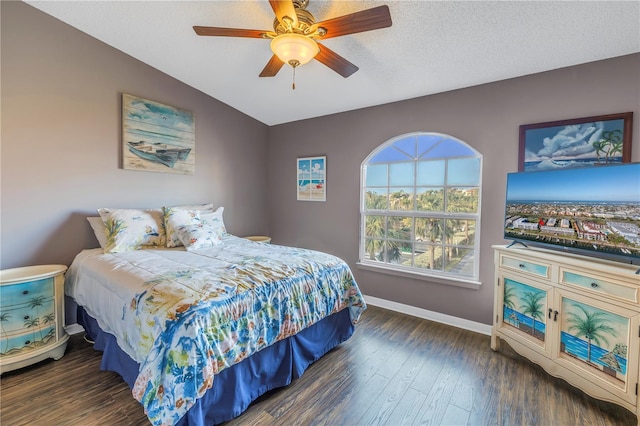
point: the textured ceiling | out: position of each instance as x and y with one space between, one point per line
432 46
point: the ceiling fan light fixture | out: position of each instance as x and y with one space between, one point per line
294 49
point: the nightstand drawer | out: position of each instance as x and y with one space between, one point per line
599 285
26 292
28 316
538 269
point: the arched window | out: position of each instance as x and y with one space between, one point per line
420 206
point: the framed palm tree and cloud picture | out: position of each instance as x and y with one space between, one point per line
579 142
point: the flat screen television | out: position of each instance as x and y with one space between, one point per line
593 211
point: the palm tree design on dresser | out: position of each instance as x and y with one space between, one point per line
4 317
592 325
508 296
36 302
533 307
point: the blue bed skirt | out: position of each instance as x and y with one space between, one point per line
234 388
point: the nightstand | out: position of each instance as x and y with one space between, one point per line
31 315
259 238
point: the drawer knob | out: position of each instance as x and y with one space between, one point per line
594 285
27 342
26 317
521 265
25 292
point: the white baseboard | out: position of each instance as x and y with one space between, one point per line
74 328
429 315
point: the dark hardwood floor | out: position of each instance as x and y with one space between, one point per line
396 370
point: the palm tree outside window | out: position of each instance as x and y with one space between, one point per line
420 206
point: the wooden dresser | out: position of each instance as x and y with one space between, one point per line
578 317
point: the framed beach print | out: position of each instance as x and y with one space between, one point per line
157 137
312 178
580 142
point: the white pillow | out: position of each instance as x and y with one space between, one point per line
132 229
175 218
199 207
215 220
99 230
198 236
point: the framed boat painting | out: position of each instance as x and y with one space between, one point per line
157 137
580 142
312 178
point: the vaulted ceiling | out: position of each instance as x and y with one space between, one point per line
432 47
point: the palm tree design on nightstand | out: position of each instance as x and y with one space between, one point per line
32 323
36 302
4 317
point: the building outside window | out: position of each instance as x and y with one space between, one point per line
420 207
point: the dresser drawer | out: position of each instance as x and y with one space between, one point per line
599 285
537 269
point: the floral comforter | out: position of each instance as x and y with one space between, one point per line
185 316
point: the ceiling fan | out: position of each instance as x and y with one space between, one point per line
295 35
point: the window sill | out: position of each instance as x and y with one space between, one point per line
451 281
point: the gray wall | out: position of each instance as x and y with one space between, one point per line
61 142
61 118
486 117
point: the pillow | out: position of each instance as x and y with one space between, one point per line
132 229
215 220
174 218
199 207
99 230
198 236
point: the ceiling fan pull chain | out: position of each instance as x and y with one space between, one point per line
293 86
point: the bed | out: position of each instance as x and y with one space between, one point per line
200 334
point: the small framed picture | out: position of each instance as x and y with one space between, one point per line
579 142
312 178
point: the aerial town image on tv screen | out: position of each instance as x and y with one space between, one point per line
553 211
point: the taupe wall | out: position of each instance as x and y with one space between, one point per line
486 117
61 142
61 102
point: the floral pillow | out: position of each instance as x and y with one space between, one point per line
198 236
132 229
199 207
174 218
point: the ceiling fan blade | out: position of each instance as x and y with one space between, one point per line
335 61
228 32
272 68
284 8
358 22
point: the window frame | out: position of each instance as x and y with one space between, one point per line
412 271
